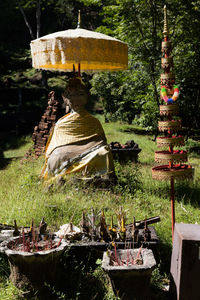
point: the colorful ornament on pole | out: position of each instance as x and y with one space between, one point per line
173 98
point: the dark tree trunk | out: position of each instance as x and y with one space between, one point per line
27 22
38 15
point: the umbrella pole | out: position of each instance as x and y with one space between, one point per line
172 206
172 186
79 70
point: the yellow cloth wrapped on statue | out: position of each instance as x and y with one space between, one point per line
77 143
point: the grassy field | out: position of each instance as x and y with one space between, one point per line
23 197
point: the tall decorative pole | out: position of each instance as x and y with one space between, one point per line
79 26
173 167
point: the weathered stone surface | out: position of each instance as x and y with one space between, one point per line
32 269
132 281
42 131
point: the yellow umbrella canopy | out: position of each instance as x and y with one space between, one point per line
92 50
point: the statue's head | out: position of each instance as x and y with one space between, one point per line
75 94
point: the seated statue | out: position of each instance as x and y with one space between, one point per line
77 142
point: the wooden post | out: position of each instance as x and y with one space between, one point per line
172 206
79 70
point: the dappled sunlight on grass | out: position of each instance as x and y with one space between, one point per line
15 147
24 196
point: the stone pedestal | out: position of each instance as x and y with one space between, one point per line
32 269
185 262
132 281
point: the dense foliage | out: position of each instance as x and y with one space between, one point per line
139 23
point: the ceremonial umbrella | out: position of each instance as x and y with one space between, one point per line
80 48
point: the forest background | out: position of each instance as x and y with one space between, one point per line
128 95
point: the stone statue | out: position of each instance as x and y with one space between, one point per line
78 141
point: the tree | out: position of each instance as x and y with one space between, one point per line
122 93
185 15
140 24
137 22
24 5
131 22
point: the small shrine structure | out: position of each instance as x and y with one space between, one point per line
42 131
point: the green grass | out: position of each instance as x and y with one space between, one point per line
23 197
